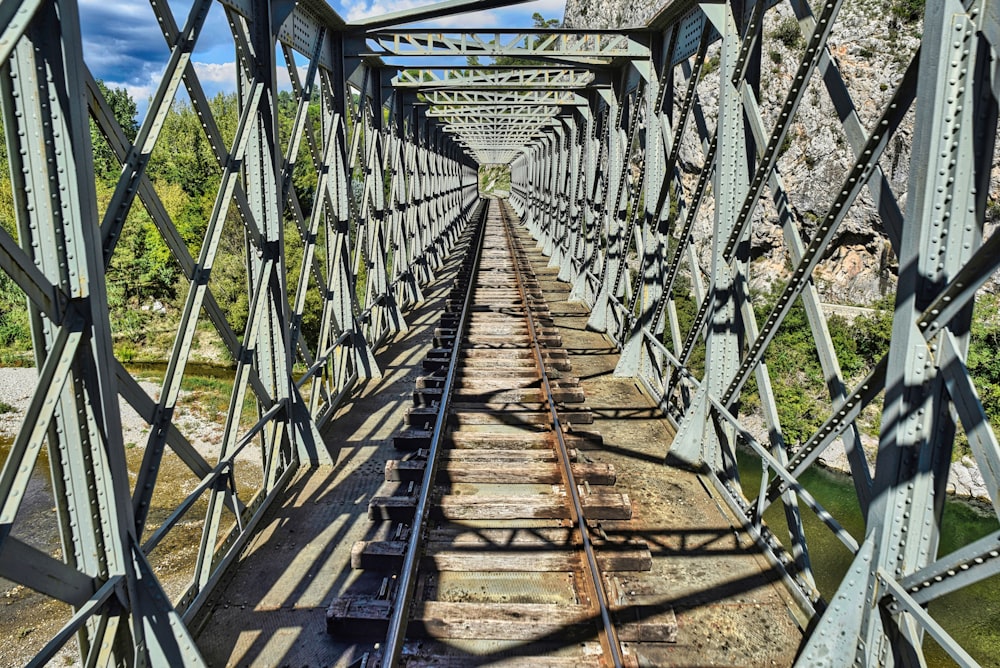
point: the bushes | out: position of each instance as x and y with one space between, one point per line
15 330
788 32
909 11
983 361
797 377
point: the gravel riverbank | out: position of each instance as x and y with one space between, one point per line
18 384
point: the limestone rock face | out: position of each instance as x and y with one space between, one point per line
966 480
872 48
609 13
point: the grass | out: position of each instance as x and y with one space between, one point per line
208 397
13 357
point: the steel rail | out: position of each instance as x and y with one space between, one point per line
609 638
396 634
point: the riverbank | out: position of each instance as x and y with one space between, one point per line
33 618
965 481
200 423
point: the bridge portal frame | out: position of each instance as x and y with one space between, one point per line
596 143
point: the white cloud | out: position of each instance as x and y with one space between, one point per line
547 8
221 77
483 20
217 73
362 9
285 81
515 16
125 9
140 90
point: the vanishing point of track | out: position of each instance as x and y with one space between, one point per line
494 543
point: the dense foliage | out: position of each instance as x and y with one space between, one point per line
910 11
797 378
146 286
539 22
494 178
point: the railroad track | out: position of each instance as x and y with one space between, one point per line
492 542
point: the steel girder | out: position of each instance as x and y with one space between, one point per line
544 79
614 161
552 45
388 201
474 98
648 162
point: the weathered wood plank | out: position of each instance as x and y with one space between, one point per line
410 440
478 440
490 468
499 455
509 353
523 471
378 555
512 621
358 617
497 394
537 558
509 416
597 505
523 439
454 534
473 375
528 556
400 508
586 657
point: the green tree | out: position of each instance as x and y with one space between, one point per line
106 165
983 361
540 22
872 332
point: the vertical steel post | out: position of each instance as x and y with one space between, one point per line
404 271
950 163
652 244
575 186
610 225
380 301
595 145
698 440
44 92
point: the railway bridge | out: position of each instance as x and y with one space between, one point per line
488 207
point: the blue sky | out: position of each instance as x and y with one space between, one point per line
124 47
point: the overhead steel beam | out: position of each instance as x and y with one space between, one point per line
483 79
429 12
498 114
509 43
501 97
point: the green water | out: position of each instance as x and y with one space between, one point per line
156 370
970 615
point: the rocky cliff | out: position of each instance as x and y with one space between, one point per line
872 45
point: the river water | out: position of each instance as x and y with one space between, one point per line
31 618
970 615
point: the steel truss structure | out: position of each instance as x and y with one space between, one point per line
392 194
598 128
607 196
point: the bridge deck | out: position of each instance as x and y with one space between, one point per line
729 608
